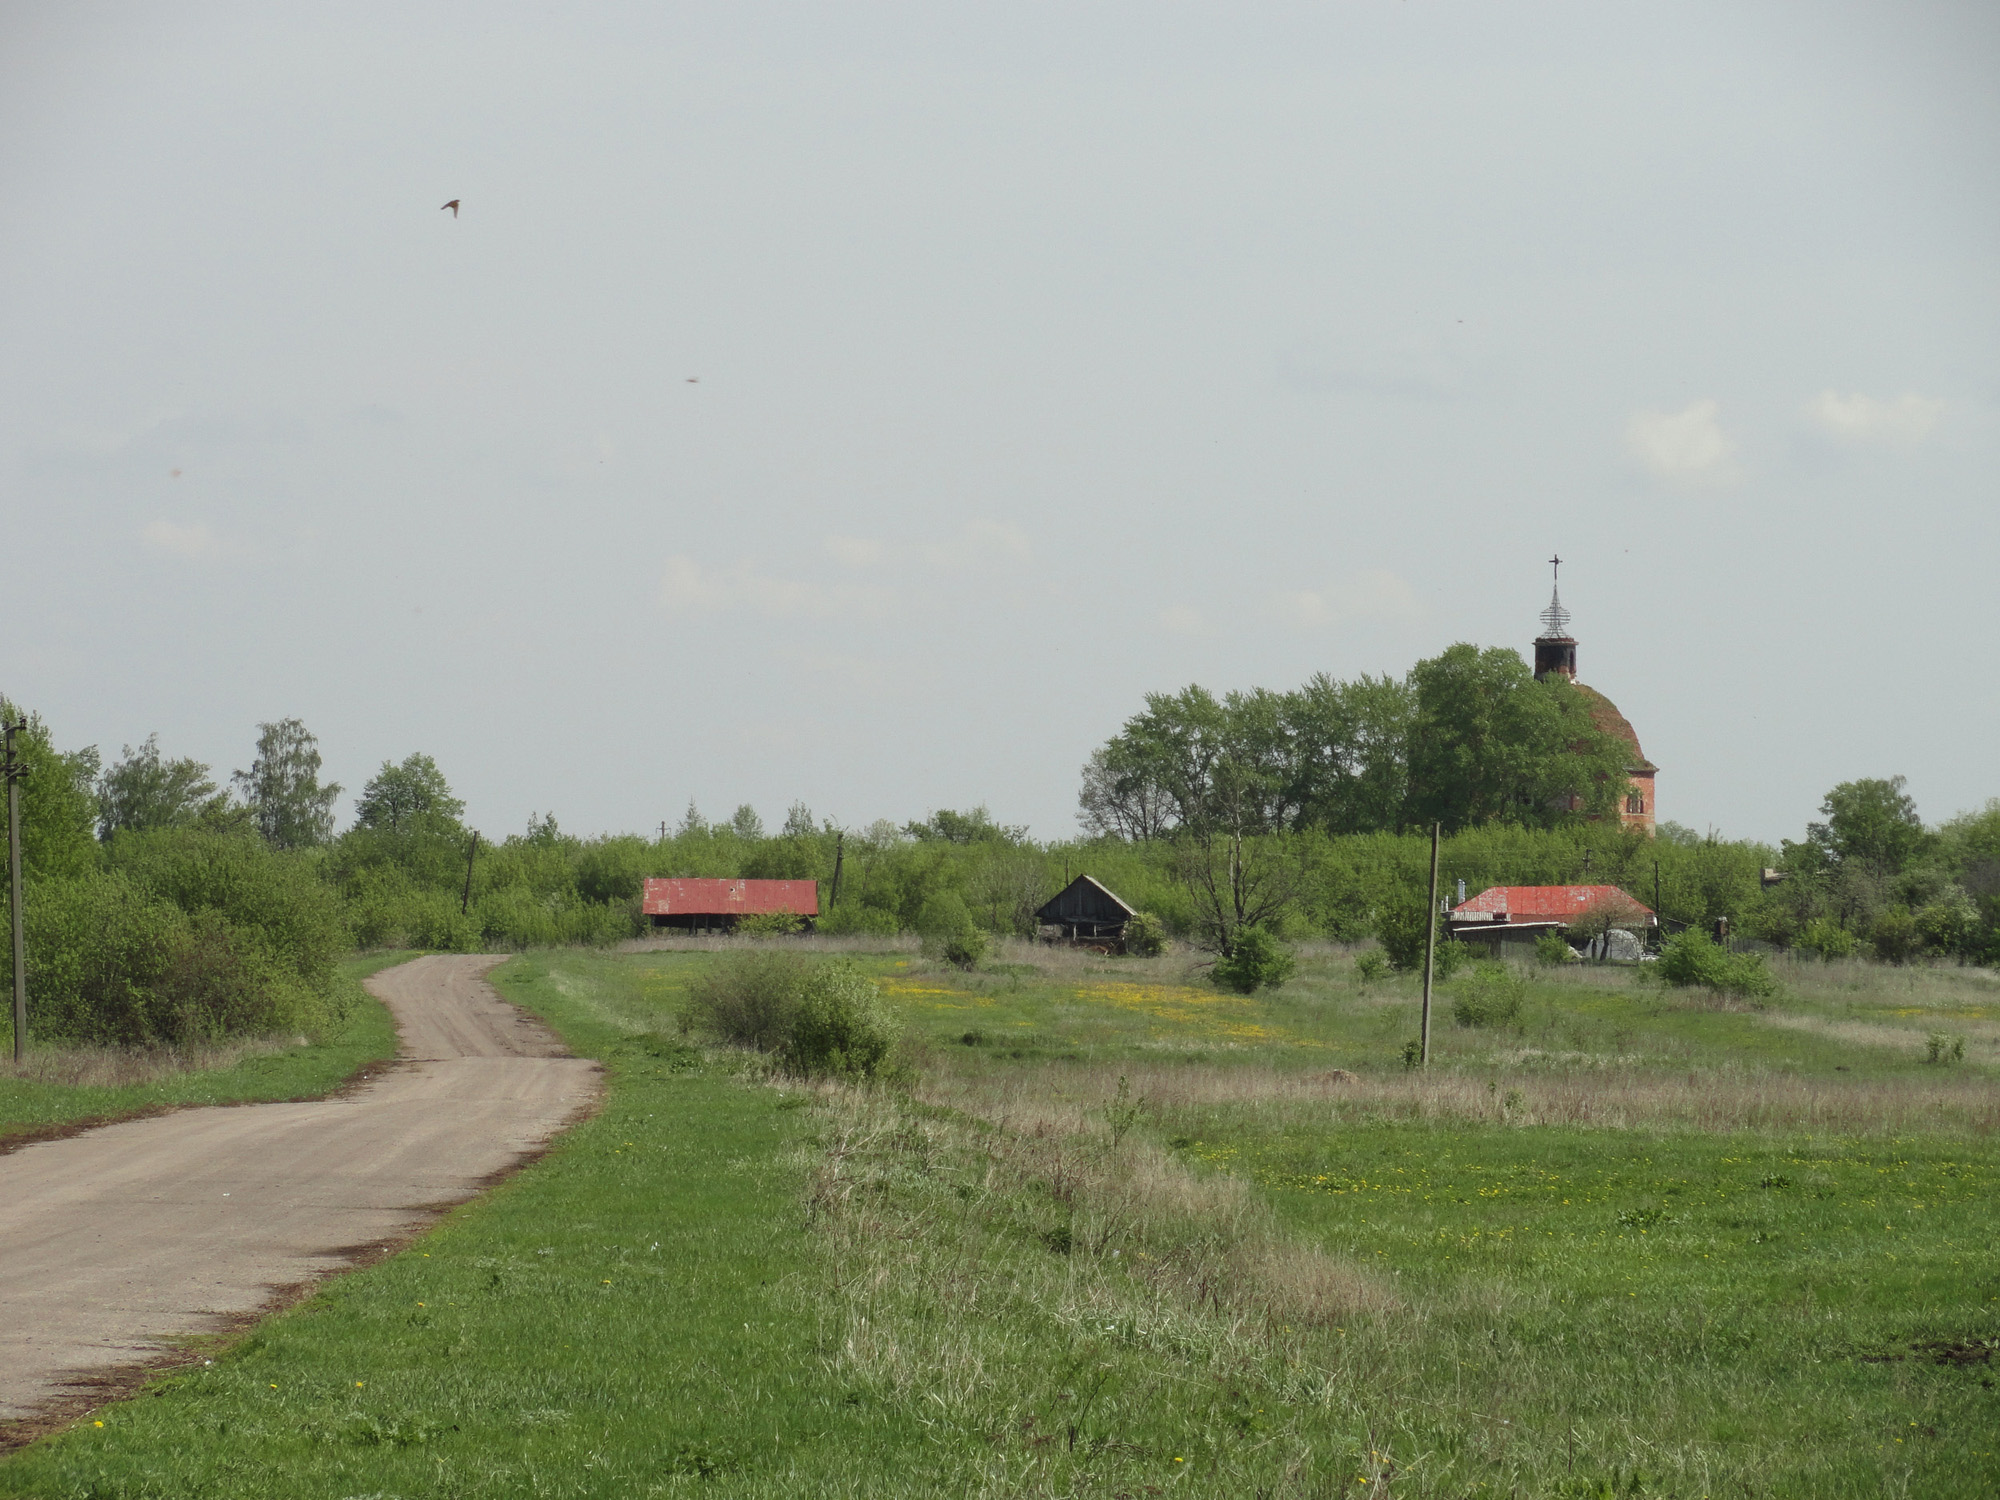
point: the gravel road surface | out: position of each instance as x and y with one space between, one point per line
120 1238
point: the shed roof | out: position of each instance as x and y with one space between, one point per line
1544 903
684 897
1052 909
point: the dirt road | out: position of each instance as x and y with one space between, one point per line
116 1239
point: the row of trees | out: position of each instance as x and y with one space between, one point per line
1466 738
1872 876
164 906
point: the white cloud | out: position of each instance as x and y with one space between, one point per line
980 541
856 552
1686 444
1376 595
688 588
1909 418
1181 619
198 540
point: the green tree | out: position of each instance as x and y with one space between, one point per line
1871 825
58 802
141 791
745 823
1490 742
287 803
401 797
975 827
1350 765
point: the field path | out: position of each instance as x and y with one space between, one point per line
118 1239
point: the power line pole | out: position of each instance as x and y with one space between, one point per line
465 901
1430 941
14 771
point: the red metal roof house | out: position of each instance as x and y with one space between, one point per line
1527 911
705 904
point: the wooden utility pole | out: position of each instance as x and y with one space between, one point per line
14 771
839 852
1430 941
465 901
1659 922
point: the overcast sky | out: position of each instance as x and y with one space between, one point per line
867 404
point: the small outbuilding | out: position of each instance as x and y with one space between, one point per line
1519 913
717 905
1085 911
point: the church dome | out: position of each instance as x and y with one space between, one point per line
1604 714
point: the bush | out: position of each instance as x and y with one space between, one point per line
1943 1047
839 1026
769 924
1255 960
946 926
1492 996
1896 936
748 999
1400 927
1451 956
1371 967
1552 950
1403 934
272 897
110 965
819 1017
1827 939
1692 961
861 921
1145 935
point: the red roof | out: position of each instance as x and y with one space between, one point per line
1545 903
729 898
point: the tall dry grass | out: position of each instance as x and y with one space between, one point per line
956 1241
121 1067
1066 1096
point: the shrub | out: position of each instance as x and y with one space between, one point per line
839 1027
1451 956
1145 935
1403 935
276 896
1255 960
863 921
747 998
946 926
1552 950
1896 936
1371 967
769 924
1692 961
111 964
1400 927
1943 1047
1827 939
1492 996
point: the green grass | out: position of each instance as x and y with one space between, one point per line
1635 1244
69 1087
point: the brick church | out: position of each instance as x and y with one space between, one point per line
1555 651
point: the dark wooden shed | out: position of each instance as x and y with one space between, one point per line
1084 909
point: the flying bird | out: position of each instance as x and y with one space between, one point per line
453 206
694 380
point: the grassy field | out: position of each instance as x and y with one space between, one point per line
57 1089
1123 1235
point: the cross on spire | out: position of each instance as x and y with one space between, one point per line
1555 619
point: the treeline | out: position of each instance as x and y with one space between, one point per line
1466 738
165 907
